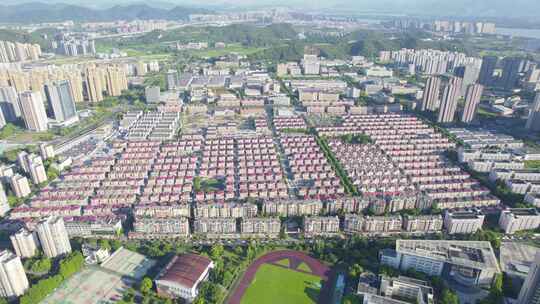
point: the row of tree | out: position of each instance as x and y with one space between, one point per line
67 267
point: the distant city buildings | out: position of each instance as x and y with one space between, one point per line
17 52
74 47
445 26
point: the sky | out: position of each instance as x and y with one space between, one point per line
491 8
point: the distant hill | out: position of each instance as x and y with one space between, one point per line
42 12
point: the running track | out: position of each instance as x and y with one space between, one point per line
295 258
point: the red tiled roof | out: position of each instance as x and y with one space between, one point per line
185 269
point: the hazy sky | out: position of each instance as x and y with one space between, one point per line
500 8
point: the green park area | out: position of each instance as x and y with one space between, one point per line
275 284
231 48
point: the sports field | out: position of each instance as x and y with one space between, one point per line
93 285
277 284
103 284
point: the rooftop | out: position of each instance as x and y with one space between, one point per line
473 254
516 258
186 269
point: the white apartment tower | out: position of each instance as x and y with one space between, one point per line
19 185
13 281
449 101
4 205
33 111
472 100
53 237
25 243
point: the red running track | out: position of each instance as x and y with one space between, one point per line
296 257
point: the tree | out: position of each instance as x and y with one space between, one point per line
146 285
41 266
216 252
199 300
103 243
449 297
355 270
227 278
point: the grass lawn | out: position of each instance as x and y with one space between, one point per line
304 267
232 48
274 284
284 262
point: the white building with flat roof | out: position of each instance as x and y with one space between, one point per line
456 222
467 262
516 219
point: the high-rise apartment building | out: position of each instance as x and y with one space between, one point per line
4 205
61 101
116 81
9 103
2 119
430 100
46 151
510 73
16 52
449 100
53 237
38 173
13 280
489 63
19 185
469 73
94 84
33 111
530 290
25 243
472 100
533 122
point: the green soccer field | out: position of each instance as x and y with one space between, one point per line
273 284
